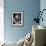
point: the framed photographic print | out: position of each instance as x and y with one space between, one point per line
17 18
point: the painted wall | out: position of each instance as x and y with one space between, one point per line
43 6
30 7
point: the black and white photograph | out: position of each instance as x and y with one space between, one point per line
17 18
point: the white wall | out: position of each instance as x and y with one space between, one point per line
1 20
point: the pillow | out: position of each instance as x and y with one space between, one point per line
21 42
28 40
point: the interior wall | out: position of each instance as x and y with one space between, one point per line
1 20
30 7
43 6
